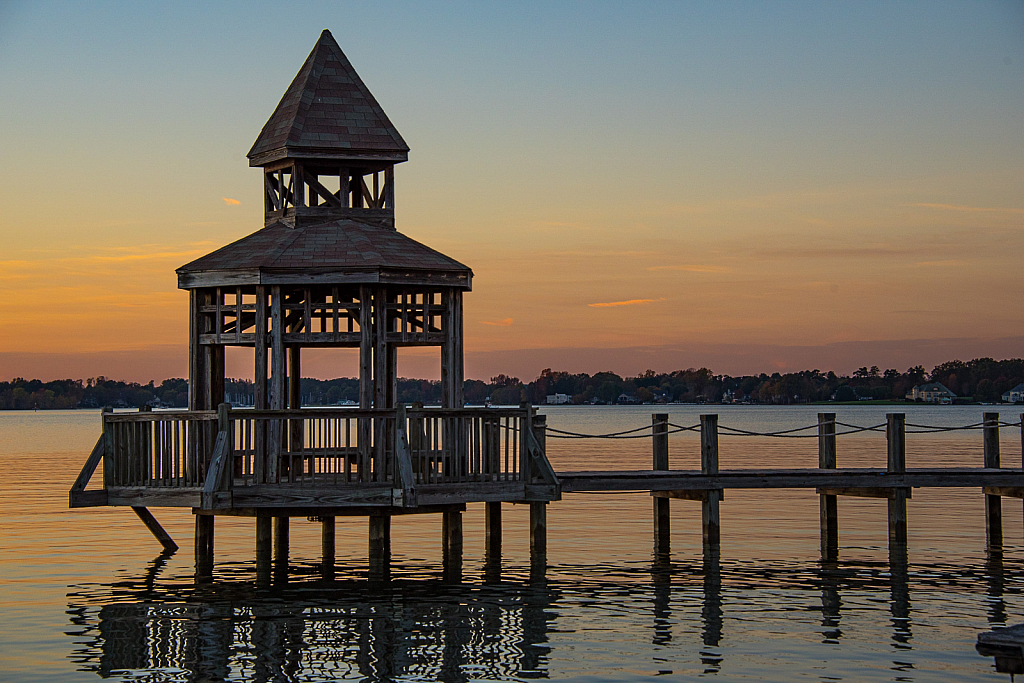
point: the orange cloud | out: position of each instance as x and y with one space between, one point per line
498 323
694 268
232 202
631 302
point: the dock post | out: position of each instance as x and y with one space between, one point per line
538 533
264 543
709 466
451 536
993 504
662 511
281 547
896 438
204 545
327 529
492 530
380 545
827 503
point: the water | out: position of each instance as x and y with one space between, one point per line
85 594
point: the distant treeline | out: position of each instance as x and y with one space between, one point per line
982 379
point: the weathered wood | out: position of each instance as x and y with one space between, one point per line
990 439
203 545
379 543
154 528
897 508
281 540
649 480
861 492
710 519
277 389
684 494
896 441
492 530
451 533
264 544
827 441
350 511
1008 491
538 530
828 506
278 496
90 466
662 509
327 538
993 503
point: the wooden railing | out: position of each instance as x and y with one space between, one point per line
323 447
158 450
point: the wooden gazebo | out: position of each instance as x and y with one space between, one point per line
328 269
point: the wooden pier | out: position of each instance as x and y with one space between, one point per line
328 269
435 461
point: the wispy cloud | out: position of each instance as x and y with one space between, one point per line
866 251
694 268
498 323
630 302
947 262
230 201
961 207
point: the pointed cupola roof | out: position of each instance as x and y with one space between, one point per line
328 113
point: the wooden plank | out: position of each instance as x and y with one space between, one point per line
1008 491
190 497
864 492
649 480
87 499
280 496
682 494
154 528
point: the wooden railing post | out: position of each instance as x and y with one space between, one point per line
993 503
711 524
108 448
827 503
896 438
144 443
662 511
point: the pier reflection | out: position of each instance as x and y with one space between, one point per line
318 630
494 623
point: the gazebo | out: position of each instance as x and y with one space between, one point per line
328 269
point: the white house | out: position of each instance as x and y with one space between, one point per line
1015 395
558 399
933 392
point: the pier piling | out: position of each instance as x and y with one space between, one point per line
264 543
993 503
451 533
711 525
662 510
327 531
538 533
896 439
380 545
828 503
204 545
492 530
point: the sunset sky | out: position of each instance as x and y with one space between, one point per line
745 185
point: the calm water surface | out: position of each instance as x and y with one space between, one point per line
85 593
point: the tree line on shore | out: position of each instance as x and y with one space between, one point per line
981 379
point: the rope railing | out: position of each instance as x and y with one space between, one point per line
780 434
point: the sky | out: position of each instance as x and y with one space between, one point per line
752 186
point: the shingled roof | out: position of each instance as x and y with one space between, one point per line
342 250
328 111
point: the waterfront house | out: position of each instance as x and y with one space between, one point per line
933 392
1015 395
